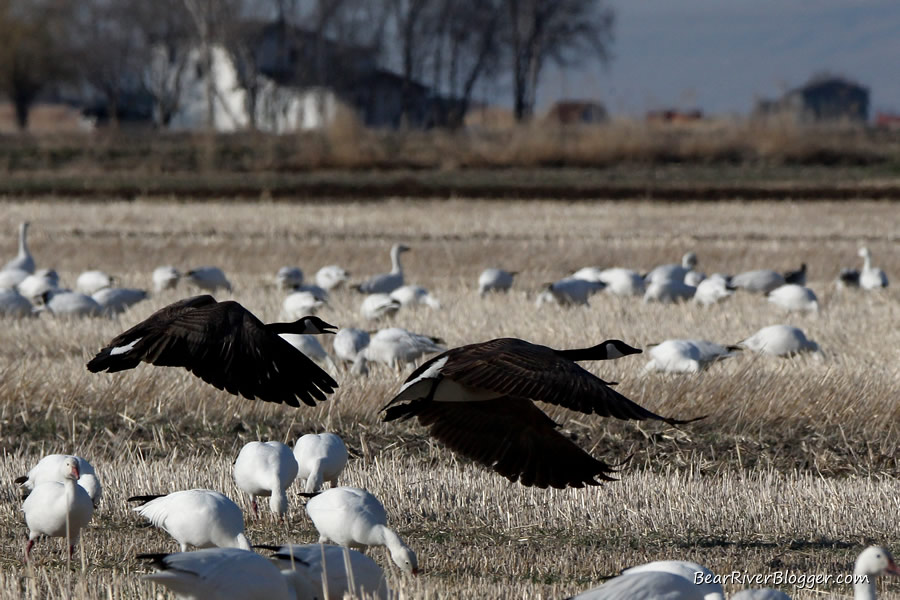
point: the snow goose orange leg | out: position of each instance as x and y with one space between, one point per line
226 346
479 401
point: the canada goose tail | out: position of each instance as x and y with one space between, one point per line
120 355
145 498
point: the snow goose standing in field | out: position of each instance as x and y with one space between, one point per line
761 281
712 290
201 518
798 277
672 272
410 295
780 340
669 291
225 574
266 469
50 468
11 278
89 282
311 347
386 283
114 301
208 278
870 278
351 516
397 347
39 283
794 298
14 304
165 278
495 280
321 457
331 277
366 576
478 401
58 509
349 342
71 304
299 303
287 278
23 260
570 291
226 346
686 356
378 306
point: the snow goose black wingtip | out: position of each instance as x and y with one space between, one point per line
226 346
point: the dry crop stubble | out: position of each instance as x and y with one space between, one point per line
794 467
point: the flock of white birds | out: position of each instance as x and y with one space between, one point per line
64 490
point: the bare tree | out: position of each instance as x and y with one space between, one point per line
564 31
34 50
107 49
415 22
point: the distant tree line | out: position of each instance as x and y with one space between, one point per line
109 48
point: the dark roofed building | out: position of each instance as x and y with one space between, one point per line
570 112
822 99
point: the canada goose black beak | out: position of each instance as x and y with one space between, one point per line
325 327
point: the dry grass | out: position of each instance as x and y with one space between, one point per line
793 469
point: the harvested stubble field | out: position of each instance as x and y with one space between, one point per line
793 470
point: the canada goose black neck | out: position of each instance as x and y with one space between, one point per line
608 350
303 325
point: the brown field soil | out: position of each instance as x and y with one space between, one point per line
794 469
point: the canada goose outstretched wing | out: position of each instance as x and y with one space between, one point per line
223 344
477 400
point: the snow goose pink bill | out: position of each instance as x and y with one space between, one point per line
50 468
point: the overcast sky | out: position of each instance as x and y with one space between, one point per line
719 55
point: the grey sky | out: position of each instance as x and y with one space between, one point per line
721 54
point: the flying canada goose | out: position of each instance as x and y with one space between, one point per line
478 400
385 283
23 259
223 344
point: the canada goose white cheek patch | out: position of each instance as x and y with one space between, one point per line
123 349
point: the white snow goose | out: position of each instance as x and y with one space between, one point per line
311 347
386 283
411 295
266 469
14 304
39 283
223 344
70 304
495 280
365 579
50 468
225 574
92 281
349 342
672 272
378 306
686 356
569 292
288 278
396 347
114 301
58 509
321 457
780 340
712 290
165 278
201 518
209 278
23 260
478 400
870 278
331 277
761 281
351 516
794 298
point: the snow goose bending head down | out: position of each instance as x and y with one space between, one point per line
201 518
364 579
351 516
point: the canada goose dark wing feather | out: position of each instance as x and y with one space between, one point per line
512 437
223 344
520 369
